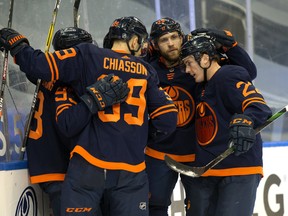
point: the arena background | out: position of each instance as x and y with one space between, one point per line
260 26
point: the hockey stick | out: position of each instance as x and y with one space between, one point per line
75 13
5 63
198 171
3 110
31 114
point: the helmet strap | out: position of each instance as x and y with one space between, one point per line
205 75
133 51
205 70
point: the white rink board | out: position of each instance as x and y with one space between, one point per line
272 195
17 196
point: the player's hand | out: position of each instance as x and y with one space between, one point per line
105 92
12 41
242 134
223 39
199 31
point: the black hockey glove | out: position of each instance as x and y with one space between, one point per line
104 93
12 41
223 39
242 134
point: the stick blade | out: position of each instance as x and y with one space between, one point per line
184 169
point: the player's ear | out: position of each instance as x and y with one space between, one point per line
205 60
206 57
133 42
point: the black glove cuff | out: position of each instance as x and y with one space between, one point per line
90 103
17 48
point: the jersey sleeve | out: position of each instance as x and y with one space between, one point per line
238 56
162 111
240 95
61 65
72 115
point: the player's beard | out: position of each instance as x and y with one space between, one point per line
171 57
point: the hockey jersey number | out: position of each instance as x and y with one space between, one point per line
138 101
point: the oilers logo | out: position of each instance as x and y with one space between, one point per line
27 204
184 102
206 124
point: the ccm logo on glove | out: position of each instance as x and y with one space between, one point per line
241 120
99 97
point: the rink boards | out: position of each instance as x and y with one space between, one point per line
18 197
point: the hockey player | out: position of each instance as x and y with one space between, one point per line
48 150
167 37
108 159
228 109
133 203
227 46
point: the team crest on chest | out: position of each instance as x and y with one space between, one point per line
206 124
184 102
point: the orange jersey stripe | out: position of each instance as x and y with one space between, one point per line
47 178
50 65
163 112
262 102
235 171
108 165
55 66
170 106
248 101
59 111
163 107
160 155
62 106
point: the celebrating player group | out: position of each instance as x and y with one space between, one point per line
106 118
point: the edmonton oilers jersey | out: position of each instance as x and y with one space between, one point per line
229 91
238 56
47 150
117 136
181 88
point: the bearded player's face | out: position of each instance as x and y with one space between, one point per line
169 46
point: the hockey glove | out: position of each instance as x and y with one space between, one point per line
242 134
104 93
223 40
11 40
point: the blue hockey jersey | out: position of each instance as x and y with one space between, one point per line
229 91
117 136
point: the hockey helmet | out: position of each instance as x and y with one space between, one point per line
67 37
163 26
124 28
198 46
